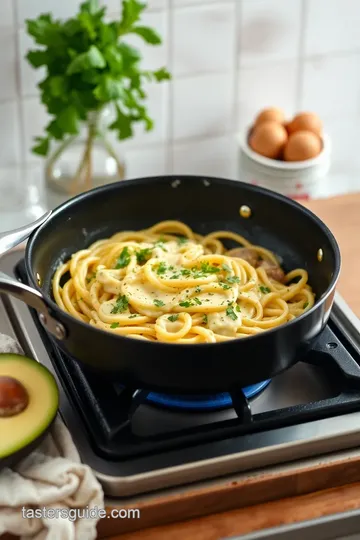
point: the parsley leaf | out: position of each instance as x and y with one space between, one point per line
232 279
173 318
114 325
197 301
224 286
305 305
143 255
161 269
158 303
182 240
205 319
123 259
185 304
231 313
264 290
120 305
206 268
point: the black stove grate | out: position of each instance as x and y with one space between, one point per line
109 411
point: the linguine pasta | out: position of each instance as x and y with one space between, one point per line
169 284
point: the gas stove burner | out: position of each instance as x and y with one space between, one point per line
203 403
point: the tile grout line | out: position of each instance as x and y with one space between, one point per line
300 61
18 96
170 97
237 81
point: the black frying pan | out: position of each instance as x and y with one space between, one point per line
205 204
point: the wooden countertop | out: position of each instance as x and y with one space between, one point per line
342 216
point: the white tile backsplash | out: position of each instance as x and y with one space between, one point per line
6 13
229 59
332 26
30 9
203 106
35 119
280 81
331 85
203 39
210 157
143 162
269 30
9 134
7 64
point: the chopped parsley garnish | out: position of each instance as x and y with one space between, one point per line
231 313
133 316
205 319
197 301
226 267
197 289
160 243
143 255
233 279
120 305
238 309
264 290
123 259
224 286
182 240
114 325
206 268
173 318
305 305
175 276
161 268
158 303
185 272
185 304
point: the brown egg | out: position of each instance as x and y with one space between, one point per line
270 115
305 121
268 139
302 145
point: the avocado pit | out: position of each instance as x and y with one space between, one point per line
13 397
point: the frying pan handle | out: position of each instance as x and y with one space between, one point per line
10 239
34 299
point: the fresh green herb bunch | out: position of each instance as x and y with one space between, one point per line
88 65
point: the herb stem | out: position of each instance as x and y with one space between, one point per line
56 154
111 152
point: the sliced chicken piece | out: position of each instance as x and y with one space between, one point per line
249 255
273 272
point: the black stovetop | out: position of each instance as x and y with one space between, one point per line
121 425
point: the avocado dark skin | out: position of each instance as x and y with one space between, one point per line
29 400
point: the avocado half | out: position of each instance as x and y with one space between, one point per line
29 399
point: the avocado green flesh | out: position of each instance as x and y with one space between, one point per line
19 431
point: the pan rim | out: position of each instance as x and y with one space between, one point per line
186 177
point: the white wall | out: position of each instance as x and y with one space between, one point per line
229 58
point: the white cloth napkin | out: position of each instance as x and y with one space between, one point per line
51 477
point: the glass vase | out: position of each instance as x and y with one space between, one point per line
84 162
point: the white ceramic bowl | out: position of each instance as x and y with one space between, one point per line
297 180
